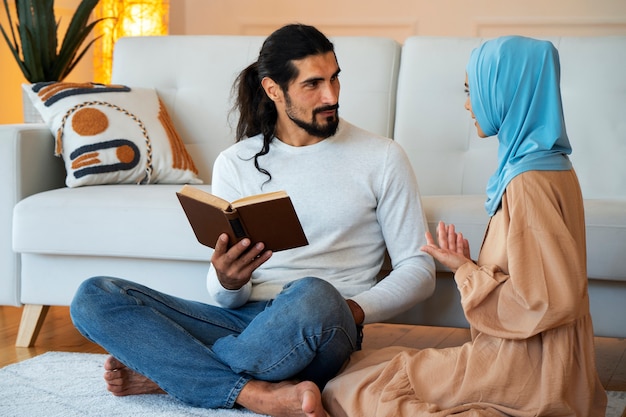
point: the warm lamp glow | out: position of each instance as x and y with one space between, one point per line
128 18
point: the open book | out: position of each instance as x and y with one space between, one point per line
269 218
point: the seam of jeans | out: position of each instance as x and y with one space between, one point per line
234 393
129 290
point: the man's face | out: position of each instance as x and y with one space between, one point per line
311 100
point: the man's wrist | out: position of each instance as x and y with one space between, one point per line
357 311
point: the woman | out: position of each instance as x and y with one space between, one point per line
525 298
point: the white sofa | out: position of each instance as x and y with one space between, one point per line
53 237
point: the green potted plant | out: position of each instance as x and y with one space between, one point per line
34 43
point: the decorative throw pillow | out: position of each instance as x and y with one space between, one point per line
112 134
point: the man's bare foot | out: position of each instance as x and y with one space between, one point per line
282 399
122 380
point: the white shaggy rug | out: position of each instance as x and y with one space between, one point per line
62 384
70 384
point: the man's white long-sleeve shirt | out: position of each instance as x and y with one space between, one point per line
356 195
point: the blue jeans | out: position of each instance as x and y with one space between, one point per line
204 355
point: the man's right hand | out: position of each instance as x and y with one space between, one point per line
234 266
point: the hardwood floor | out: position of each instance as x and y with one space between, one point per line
58 334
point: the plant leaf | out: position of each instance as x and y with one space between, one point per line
35 44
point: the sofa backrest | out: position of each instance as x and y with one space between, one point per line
431 122
593 86
194 77
440 137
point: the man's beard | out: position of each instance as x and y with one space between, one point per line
313 128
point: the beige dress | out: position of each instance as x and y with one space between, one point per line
532 351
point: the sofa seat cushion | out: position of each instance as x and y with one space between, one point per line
606 238
605 219
135 221
148 222
466 212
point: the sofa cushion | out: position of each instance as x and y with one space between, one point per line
107 220
605 224
606 238
466 212
432 124
112 134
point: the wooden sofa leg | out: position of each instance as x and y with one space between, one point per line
33 316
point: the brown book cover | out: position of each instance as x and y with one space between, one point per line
269 218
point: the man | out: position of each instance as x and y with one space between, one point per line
289 316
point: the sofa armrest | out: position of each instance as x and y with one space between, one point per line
28 151
27 166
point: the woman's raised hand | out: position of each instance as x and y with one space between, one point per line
451 249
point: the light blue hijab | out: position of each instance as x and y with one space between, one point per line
515 94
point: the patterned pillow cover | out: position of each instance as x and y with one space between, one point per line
112 134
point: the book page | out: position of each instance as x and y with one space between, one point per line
258 198
205 197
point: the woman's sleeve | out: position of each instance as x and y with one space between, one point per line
545 285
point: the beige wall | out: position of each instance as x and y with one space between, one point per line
397 19
402 18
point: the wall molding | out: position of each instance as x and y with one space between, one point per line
548 26
396 28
